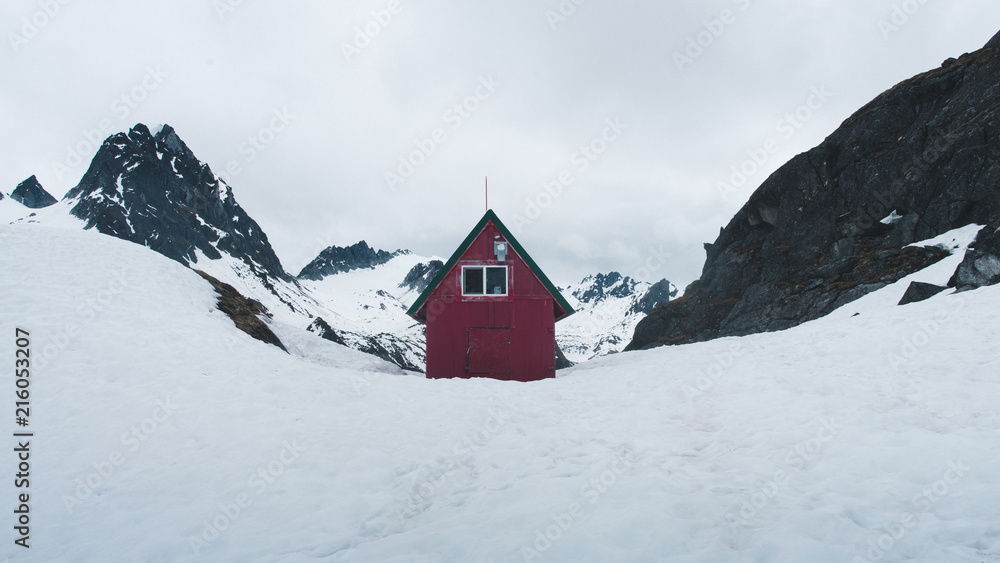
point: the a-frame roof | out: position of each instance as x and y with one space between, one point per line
491 217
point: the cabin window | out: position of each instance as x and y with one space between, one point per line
484 280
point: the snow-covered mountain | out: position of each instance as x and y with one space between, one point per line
370 299
150 189
336 259
608 306
855 437
373 299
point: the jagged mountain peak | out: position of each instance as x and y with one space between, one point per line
608 308
31 194
596 288
152 190
336 260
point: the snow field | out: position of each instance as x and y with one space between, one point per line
165 434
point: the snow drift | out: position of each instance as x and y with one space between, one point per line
163 433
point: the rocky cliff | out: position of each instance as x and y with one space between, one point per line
833 223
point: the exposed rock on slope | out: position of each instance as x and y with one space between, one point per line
244 312
31 194
981 265
811 238
920 291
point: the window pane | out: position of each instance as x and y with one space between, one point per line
496 281
472 281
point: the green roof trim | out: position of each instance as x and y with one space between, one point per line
490 216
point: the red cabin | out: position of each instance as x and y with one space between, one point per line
490 312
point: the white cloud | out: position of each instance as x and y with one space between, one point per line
323 178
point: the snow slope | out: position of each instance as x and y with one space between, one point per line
368 303
11 210
162 433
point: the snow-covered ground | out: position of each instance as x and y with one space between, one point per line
162 433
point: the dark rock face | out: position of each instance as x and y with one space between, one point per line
153 191
324 330
335 260
420 276
919 291
244 312
981 265
562 362
32 195
659 293
810 239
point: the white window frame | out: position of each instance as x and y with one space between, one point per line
483 267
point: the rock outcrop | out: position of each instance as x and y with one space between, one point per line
981 265
32 195
245 313
833 223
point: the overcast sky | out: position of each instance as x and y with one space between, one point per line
379 119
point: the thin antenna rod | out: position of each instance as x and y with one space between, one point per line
487 193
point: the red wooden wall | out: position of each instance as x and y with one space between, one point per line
509 337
